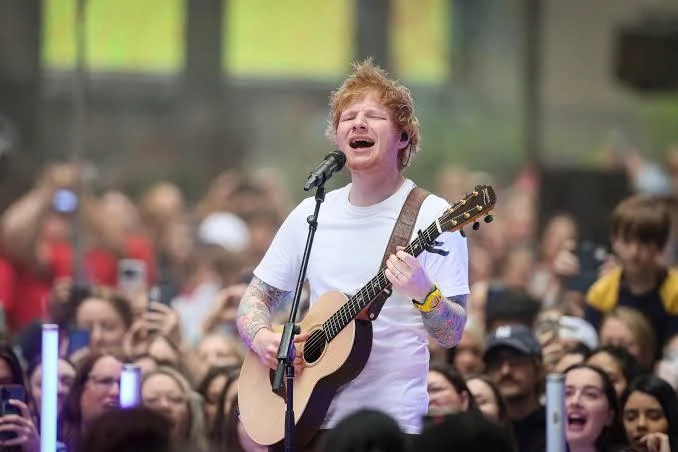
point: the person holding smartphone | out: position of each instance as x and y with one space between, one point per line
18 431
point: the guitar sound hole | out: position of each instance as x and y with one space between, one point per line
314 346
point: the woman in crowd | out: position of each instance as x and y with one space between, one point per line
220 350
108 316
228 433
650 415
210 389
490 402
168 392
618 363
96 389
447 391
628 328
18 431
66 377
591 410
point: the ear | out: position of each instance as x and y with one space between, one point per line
404 140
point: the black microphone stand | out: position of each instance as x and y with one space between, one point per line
286 352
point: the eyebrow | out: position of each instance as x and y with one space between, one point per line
596 388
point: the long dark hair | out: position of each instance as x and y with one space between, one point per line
664 393
224 433
457 381
70 424
504 419
612 436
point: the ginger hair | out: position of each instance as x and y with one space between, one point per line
368 78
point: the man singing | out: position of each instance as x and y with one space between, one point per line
372 121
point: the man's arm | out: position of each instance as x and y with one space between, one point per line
445 324
254 311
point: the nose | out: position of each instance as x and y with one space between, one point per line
641 423
505 367
115 390
95 336
359 122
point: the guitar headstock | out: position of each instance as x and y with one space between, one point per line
479 202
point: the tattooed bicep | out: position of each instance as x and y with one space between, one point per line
272 296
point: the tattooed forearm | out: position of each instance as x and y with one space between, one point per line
254 311
445 324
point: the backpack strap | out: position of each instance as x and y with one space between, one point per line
402 231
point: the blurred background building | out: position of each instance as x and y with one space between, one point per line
183 89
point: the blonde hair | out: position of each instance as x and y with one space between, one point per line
370 78
196 432
641 329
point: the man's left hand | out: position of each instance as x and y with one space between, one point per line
406 274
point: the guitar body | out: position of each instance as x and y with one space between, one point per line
327 366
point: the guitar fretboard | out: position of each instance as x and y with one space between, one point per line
374 287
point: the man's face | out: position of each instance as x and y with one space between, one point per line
514 373
636 256
368 136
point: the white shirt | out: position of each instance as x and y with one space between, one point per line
348 248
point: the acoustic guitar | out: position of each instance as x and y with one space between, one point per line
339 342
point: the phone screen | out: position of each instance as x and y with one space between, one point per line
77 339
131 276
7 393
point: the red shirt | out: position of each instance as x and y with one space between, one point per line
7 284
24 295
101 265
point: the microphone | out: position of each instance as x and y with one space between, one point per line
334 161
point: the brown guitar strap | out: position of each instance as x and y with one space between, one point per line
402 231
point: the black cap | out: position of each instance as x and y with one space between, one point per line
517 337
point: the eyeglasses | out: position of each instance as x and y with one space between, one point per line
104 382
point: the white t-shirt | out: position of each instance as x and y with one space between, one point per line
347 250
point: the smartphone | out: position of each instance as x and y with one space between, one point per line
78 339
590 256
131 275
7 393
65 201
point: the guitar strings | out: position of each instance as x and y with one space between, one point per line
315 345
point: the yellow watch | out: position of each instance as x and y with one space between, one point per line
431 301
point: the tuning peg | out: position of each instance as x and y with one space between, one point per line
462 232
488 218
476 226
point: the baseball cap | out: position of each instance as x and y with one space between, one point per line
579 330
517 337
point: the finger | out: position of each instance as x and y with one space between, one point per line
160 308
391 277
154 316
25 413
408 259
13 419
19 440
303 337
395 271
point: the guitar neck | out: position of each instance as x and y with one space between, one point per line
350 310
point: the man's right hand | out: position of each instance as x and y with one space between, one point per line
266 344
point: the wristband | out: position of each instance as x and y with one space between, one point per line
431 301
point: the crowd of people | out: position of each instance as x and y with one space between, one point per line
158 281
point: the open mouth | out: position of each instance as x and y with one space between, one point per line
576 422
361 143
